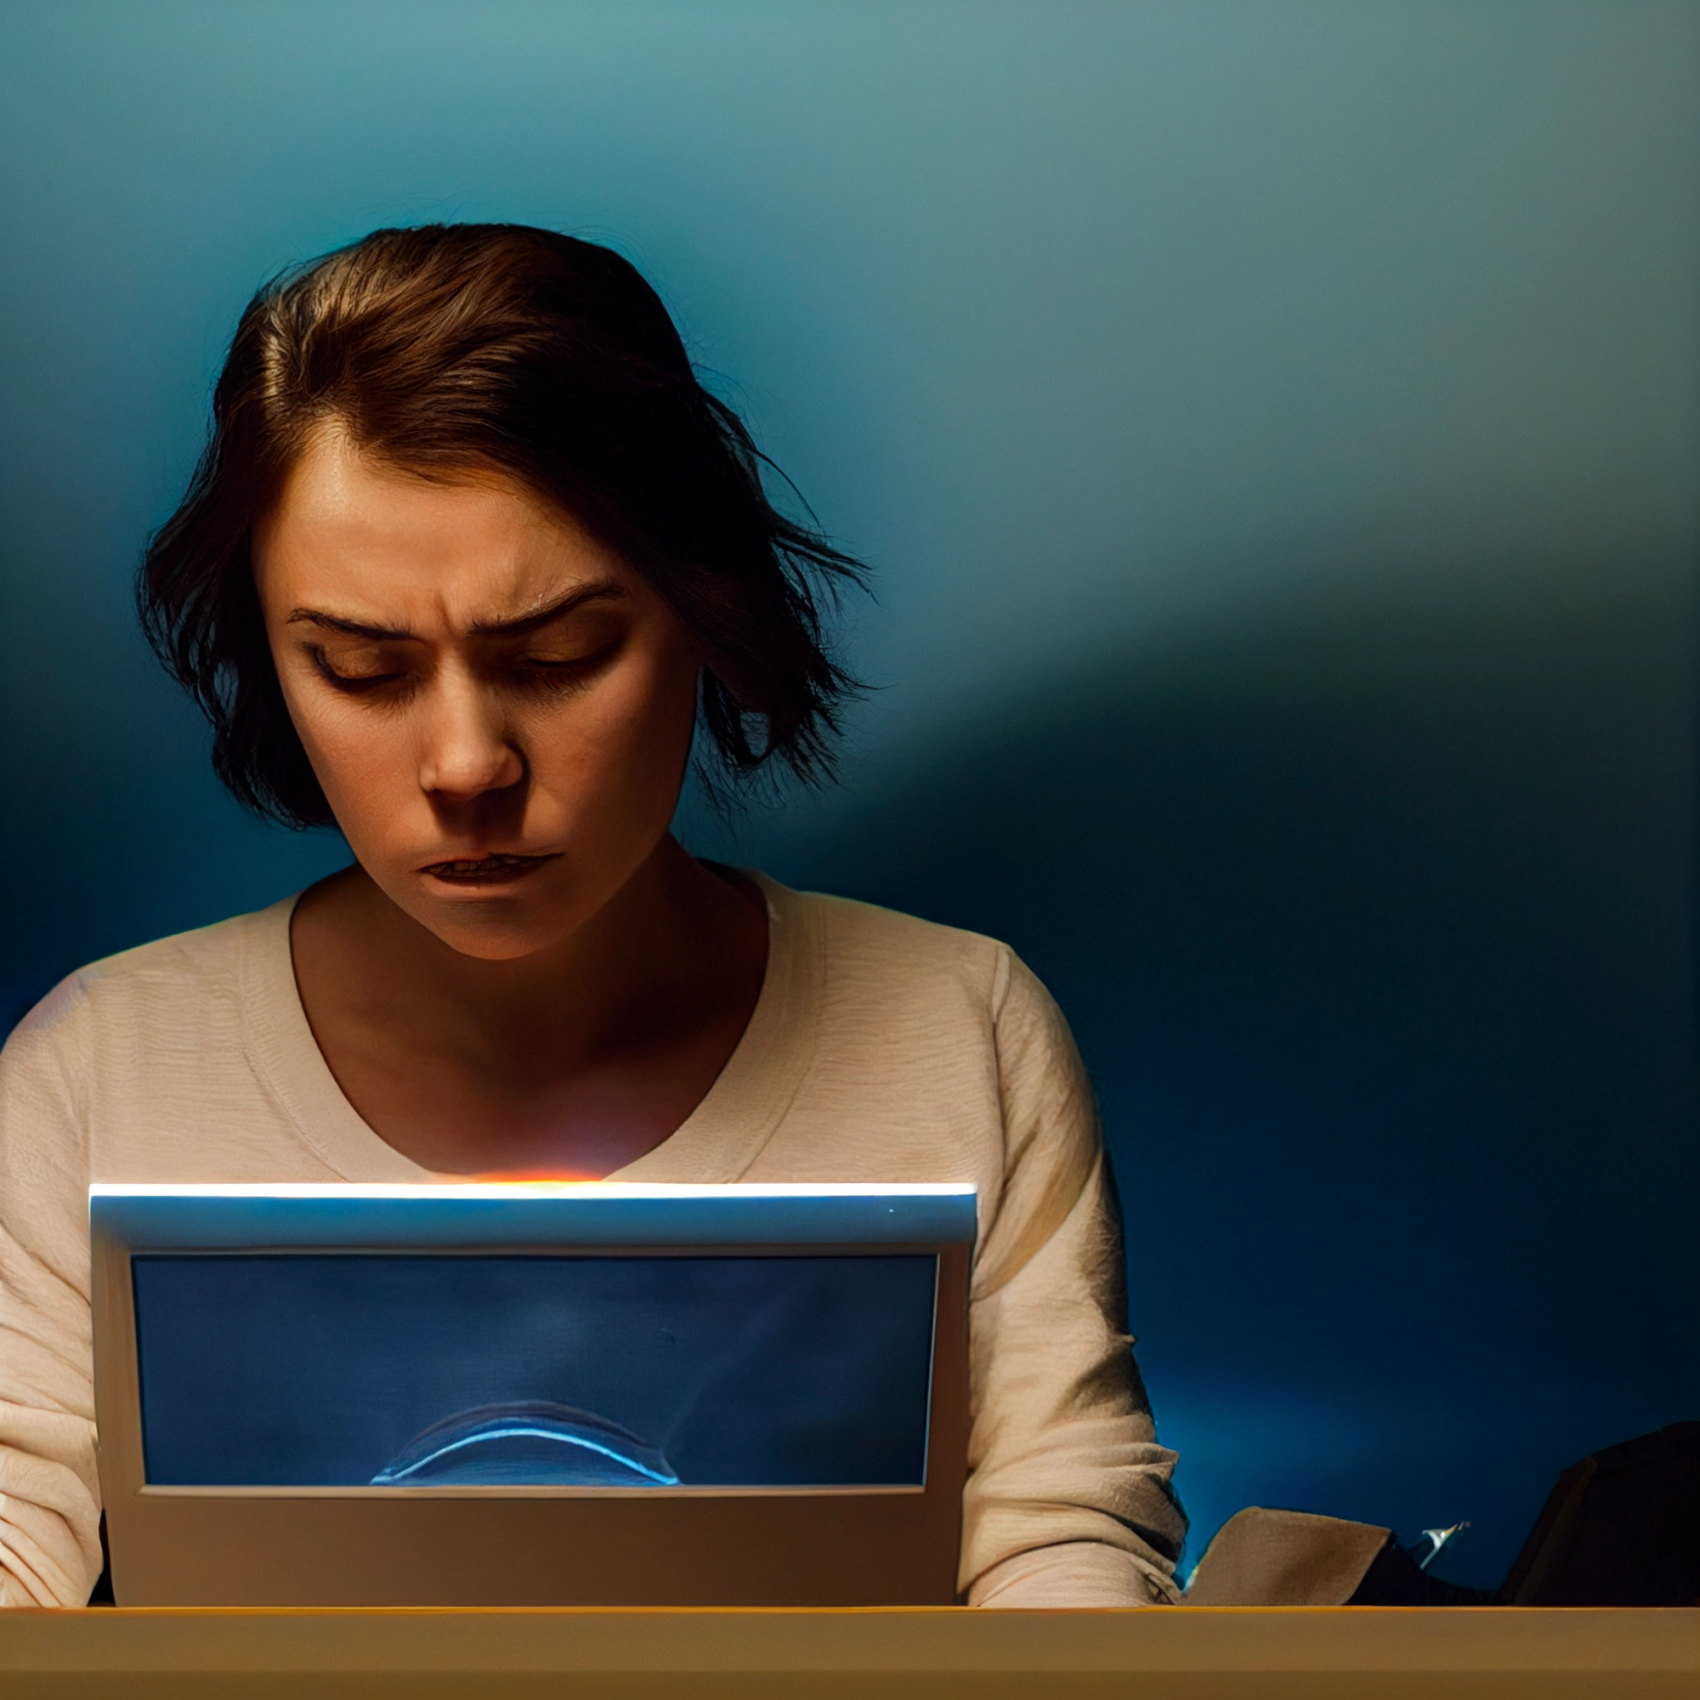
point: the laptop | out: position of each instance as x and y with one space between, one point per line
532 1394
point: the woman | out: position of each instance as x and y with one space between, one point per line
469 563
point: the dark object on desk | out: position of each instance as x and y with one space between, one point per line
1395 1578
1621 1528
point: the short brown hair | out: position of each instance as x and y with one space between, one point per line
535 355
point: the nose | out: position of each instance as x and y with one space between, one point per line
466 749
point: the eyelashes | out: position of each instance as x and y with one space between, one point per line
355 683
556 677
549 675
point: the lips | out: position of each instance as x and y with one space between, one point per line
496 869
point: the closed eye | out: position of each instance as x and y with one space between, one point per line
556 671
365 670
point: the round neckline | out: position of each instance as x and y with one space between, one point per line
717 1142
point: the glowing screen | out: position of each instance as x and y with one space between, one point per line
403 1370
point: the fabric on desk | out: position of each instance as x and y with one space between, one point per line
882 1049
1284 1558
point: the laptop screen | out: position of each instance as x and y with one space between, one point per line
400 1369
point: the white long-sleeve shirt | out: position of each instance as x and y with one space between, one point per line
881 1049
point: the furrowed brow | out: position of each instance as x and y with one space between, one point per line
519 626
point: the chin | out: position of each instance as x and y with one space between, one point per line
490 931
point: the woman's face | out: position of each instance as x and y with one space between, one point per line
499 709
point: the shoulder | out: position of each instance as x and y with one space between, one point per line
111 1043
902 954
164 980
898 968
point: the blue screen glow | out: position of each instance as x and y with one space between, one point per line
357 1369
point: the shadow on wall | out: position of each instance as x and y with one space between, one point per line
1374 924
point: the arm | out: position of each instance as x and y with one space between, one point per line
1068 1500
49 1490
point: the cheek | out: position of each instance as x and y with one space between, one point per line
622 746
361 759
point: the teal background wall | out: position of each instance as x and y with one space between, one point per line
1276 430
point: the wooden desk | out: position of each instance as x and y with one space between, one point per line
917 1654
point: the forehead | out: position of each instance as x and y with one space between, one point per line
351 528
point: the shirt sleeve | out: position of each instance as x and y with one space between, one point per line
1068 1500
50 1553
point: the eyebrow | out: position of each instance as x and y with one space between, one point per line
519 626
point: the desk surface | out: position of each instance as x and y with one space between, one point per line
1155 1654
